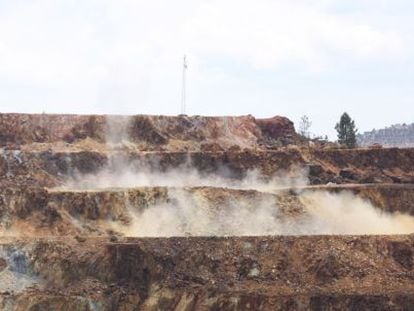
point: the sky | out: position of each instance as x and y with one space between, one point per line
260 57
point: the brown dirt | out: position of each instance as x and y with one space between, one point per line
60 248
269 273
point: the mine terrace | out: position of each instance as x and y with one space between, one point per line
199 213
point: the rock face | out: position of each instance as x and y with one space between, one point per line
20 129
50 168
233 273
277 129
198 213
167 133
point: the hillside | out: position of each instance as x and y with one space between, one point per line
199 213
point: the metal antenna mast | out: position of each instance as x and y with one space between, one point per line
183 91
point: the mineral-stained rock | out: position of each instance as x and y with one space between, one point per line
225 273
3 264
338 166
141 129
277 128
93 128
68 202
147 132
331 267
402 252
348 174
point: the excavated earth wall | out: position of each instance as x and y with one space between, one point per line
63 247
336 166
63 212
229 273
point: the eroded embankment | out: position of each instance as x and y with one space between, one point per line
51 168
97 212
77 191
268 273
169 211
143 132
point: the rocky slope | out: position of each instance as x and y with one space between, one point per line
199 213
263 273
102 212
50 168
143 133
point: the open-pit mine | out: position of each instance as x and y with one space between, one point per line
199 213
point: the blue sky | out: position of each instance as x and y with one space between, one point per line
259 57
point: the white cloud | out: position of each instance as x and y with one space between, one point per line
124 56
67 41
269 33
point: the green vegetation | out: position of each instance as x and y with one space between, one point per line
346 131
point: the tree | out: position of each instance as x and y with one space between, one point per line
304 126
346 131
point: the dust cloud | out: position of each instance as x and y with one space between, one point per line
127 176
345 213
199 213
189 214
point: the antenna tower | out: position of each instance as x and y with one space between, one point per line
183 91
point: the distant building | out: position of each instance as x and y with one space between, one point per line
399 135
